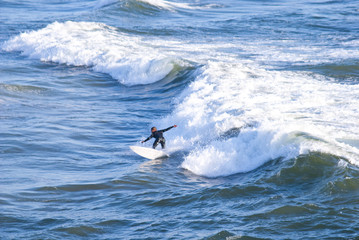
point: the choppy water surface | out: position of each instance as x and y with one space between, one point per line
265 95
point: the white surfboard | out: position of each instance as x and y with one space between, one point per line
149 153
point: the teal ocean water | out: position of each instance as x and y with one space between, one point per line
265 95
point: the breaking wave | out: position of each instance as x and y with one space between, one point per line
236 118
126 58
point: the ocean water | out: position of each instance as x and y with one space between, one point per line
265 95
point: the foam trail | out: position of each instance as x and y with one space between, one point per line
126 58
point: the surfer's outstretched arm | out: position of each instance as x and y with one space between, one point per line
165 130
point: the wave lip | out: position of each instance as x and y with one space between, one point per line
126 58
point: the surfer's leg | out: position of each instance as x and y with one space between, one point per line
155 144
163 143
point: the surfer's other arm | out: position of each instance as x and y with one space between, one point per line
147 138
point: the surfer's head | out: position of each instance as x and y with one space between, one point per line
153 129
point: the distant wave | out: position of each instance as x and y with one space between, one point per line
95 45
159 4
171 5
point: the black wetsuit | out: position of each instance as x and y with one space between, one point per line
158 135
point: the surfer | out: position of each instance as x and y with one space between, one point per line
158 135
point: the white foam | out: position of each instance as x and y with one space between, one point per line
291 51
249 150
275 115
126 58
